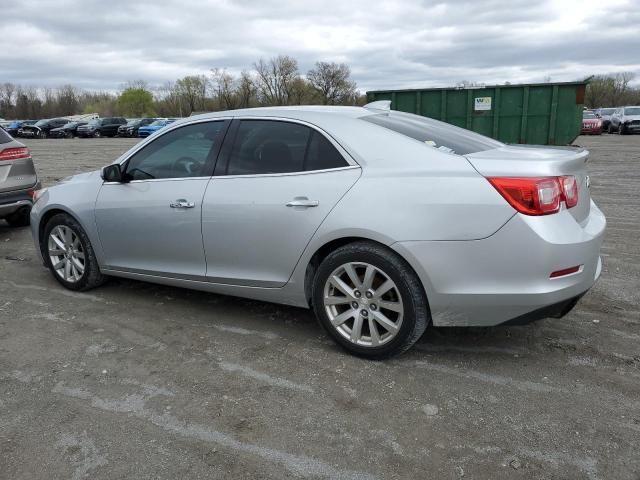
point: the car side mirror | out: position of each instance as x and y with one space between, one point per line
112 173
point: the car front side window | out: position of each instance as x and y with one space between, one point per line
181 153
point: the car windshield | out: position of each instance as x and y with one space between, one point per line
41 123
434 133
131 123
70 125
94 123
607 111
158 123
589 115
632 111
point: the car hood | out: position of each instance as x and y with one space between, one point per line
80 178
631 117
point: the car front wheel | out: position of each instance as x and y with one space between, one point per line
97 134
369 300
69 255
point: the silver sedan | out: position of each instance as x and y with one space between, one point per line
382 222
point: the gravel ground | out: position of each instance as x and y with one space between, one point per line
134 380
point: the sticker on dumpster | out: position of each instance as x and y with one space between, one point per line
483 103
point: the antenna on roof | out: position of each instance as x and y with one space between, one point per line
379 105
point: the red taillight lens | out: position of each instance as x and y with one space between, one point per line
14 153
531 196
537 195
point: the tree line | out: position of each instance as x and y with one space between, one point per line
276 81
614 90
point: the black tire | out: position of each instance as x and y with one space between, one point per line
43 135
416 315
610 129
621 130
68 134
97 134
91 277
20 218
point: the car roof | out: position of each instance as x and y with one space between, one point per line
299 112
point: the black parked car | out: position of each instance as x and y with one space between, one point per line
42 128
68 130
101 127
132 126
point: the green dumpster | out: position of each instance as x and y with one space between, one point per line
538 113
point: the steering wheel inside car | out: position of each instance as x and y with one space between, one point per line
189 165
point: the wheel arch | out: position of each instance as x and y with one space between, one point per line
48 215
330 246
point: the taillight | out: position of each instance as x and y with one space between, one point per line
569 190
14 153
537 195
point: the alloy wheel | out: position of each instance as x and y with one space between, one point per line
66 254
363 304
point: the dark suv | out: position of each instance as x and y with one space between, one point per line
131 128
68 130
101 127
42 128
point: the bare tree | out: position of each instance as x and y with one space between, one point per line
192 91
332 81
68 101
275 78
224 88
7 92
245 90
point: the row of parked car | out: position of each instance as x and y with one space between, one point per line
621 120
99 127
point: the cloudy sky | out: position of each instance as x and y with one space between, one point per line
100 44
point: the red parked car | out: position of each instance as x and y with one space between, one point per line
591 125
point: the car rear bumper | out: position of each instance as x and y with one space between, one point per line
11 202
507 275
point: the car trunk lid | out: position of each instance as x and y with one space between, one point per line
534 161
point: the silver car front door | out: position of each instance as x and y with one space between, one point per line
277 183
151 223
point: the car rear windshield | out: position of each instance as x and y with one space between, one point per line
440 135
607 111
4 136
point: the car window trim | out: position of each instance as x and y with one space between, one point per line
123 161
223 158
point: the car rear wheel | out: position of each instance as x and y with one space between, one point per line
621 129
43 134
68 134
97 134
69 255
19 218
369 300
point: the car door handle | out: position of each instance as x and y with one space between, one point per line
182 203
303 202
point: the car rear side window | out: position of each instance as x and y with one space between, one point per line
4 136
272 146
322 155
180 153
440 135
